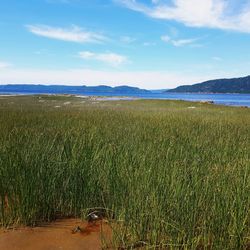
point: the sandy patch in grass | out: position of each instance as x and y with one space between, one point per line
7 95
61 234
117 98
82 96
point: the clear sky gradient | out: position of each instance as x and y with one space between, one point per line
145 43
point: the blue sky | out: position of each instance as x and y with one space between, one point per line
146 43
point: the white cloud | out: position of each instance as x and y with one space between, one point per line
73 34
110 58
4 65
179 42
196 13
142 79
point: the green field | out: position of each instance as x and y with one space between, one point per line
173 174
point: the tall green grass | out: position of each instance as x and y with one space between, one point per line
173 177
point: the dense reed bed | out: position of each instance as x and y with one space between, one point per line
172 176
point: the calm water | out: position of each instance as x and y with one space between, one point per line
224 99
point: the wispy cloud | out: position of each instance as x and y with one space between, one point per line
182 42
127 39
196 13
179 42
4 65
73 34
109 58
146 44
217 58
166 38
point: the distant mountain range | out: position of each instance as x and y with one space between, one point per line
62 89
234 85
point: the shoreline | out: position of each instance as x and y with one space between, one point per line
107 97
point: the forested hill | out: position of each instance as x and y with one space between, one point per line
234 85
